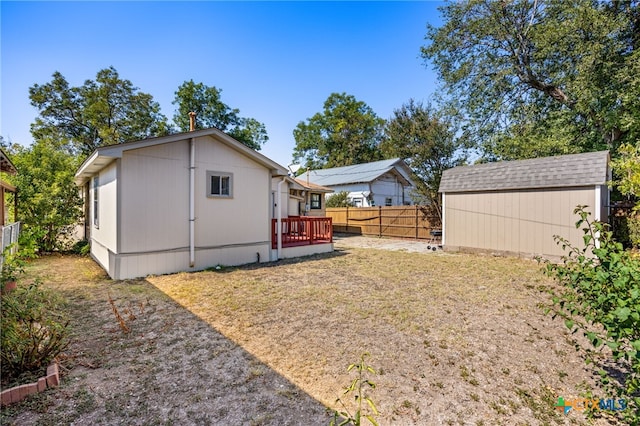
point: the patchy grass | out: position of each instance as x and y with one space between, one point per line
457 339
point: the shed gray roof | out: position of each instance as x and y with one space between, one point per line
573 170
357 173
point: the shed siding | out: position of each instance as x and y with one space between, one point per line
522 221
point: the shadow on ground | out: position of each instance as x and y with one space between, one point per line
170 368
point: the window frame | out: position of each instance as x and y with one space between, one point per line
313 201
221 176
96 201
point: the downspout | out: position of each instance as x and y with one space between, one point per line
279 219
442 220
192 189
597 212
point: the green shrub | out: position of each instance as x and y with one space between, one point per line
33 330
339 199
633 225
81 247
600 295
358 389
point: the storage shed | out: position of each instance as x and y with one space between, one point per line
516 207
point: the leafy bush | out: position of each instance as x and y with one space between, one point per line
49 200
81 247
339 199
33 332
601 297
633 225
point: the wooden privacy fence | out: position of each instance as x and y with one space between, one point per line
393 221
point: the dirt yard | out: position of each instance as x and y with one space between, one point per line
455 339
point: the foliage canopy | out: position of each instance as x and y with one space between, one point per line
210 111
346 132
426 139
104 111
537 78
49 202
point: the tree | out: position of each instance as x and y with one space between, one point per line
627 181
627 172
347 132
427 140
49 203
537 77
210 111
339 199
104 111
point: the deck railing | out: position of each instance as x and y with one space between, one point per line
302 230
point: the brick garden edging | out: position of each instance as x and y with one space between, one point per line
18 393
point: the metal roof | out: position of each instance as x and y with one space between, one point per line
572 170
357 173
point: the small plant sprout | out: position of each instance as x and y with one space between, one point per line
358 388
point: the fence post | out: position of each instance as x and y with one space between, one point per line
379 221
416 207
347 220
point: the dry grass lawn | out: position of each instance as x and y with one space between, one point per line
456 339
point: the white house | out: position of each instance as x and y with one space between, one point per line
185 202
379 183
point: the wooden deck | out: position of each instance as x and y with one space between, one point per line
302 230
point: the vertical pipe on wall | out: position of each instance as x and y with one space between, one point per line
597 211
192 202
192 192
279 220
443 223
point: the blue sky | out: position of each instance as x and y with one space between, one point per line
275 61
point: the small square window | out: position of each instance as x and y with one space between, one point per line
388 201
219 184
316 202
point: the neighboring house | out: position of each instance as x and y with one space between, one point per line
304 199
9 231
516 207
380 183
6 166
312 198
185 202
